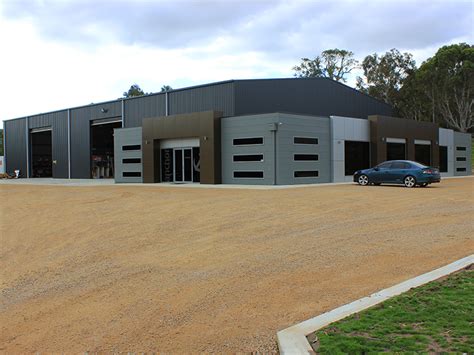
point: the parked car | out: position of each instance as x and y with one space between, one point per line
406 172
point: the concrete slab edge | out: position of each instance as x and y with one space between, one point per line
100 182
293 340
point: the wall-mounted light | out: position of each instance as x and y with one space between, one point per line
104 110
205 138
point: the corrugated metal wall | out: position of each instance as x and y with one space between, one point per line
316 96
218 97
242 97
143 107
80 134
58 123
15 146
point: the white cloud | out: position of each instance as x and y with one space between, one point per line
57 54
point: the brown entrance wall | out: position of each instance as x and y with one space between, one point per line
383 127
205 125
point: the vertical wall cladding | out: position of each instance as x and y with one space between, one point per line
342 129
291 170
80 134
315 96
15 146
462 154
59 139
128 161
446 139
258 126
279 166
143 107
218 97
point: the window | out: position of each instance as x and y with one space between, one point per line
443 159
305 140
305 157
131 174
248 141
395 151
461 149
384 165
131 161
248 157
423 154
356 156
461 159
132 147
248 174
400 165
460 169
303 174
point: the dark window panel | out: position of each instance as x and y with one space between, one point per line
131 161
248 141
356 156
305 140
461 159
396 151
131 147
248 157
248 174
300 174
443 159
461 149
306 157
423 154
131 174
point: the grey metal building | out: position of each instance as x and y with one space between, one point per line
297 130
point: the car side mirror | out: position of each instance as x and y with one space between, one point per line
376 169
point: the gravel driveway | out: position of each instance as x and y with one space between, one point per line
148 268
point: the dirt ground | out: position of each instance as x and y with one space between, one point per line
147 268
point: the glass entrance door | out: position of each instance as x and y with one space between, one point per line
183 165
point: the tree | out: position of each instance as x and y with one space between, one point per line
384 75
332 63
412 102
134 91
166 88
448 81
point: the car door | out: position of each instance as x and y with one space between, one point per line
381 172
397 171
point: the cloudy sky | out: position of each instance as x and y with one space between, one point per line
56 54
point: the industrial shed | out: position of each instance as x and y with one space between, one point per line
137 139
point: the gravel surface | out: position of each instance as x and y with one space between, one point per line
132 268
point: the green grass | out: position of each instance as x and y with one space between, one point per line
436 317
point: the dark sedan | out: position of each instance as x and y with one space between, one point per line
406 172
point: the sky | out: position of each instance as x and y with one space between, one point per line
59 54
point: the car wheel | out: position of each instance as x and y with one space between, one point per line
409 181
363 180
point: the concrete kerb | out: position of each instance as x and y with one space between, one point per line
293 340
